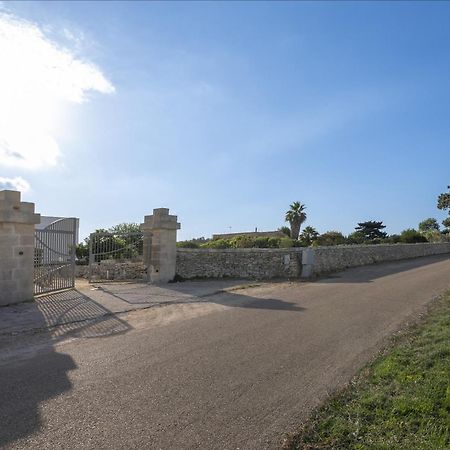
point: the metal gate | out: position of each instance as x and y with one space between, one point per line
54 256
106 249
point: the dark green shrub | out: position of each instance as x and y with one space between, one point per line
285 230
82 251
187 244
356 238
331 238
393 239
411 236
261 242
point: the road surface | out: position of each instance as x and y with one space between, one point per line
236 370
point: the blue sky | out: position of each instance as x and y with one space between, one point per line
228 112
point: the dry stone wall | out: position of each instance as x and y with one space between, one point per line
265 264
111 270
334 259
252 263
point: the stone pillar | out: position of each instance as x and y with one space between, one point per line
308 258
17 220
162 228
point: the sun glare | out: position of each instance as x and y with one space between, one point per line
38 79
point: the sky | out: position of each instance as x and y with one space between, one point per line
227 112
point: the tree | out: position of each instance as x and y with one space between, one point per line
356 238
371 230
429 224
296 216
412 236
286 230
444 200
444 204
123 228
122 241
193 243
309 235
331 238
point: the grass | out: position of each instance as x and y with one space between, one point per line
400 401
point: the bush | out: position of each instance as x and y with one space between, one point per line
393 239
434 236
187 244
242 242
331 238
356 238
411 236
247 242
261 242
285 230
286 243
82 251
274 242
217 243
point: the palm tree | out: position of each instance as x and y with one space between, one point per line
309 235
296 216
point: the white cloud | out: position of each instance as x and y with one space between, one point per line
14 184
38 78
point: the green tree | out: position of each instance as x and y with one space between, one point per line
356 238
122 241
444 204
217 243
371 230
295 216
286 230
331 238
192 243
123 228
429 224
82 252
412 236
308 235
446 223
444 200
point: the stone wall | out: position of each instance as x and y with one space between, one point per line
265 264
253 263
334 259
111 270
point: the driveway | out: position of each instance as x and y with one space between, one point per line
234 370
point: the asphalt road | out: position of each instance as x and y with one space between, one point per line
236 371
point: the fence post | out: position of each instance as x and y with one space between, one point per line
17 242
160 229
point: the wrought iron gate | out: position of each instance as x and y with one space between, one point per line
105 249
54 256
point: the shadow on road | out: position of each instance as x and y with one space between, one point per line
24 385
174 294
369 273
32 373
245 301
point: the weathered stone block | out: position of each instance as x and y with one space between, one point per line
17 220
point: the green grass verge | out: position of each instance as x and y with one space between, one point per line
400 401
